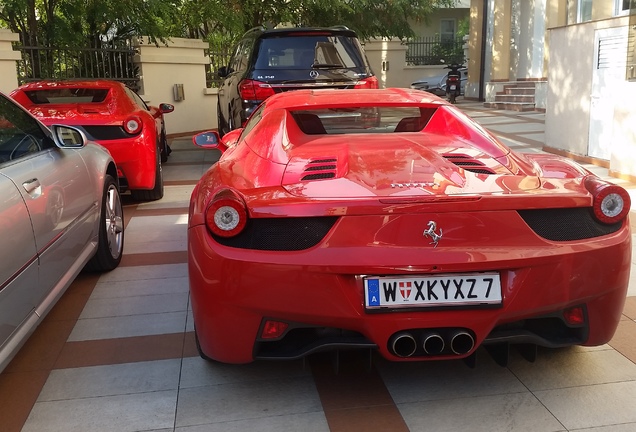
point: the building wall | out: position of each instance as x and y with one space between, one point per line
602 9
570 76
516 42
8 58
475 38
183 62
432 26
388 61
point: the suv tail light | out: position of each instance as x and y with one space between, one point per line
255 90
367 83
226 215
611 202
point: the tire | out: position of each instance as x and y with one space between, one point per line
110 245
221 126
230 121
155 193
451 98
165 148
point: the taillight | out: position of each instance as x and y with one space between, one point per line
255 90
226 215
367 83
611 202
133 125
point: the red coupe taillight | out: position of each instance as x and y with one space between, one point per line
255 90
611 202
226 215
133 125
367 83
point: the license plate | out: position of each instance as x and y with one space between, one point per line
453 87
467 289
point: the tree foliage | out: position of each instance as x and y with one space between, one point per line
72 22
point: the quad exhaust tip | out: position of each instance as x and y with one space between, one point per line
403 344
433 343
462 343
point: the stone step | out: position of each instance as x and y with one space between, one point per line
511 106
507 98
518 91
529 84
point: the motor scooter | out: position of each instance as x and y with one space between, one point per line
453 82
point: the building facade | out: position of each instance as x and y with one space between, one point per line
574 59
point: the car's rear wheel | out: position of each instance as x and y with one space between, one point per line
154 193
110 244
230 120
221 126
165 148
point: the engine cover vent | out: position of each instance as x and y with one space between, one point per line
320 169
469 163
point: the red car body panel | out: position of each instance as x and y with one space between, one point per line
380 192
135 155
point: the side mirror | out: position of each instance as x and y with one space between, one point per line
209 140
166 108
222 72
68 137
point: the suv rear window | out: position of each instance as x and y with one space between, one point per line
307 52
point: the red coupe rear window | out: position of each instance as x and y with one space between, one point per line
67 95
363 120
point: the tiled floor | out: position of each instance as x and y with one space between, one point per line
117 354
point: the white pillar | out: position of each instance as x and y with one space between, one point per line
8 60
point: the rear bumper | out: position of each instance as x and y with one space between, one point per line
135 159
322 287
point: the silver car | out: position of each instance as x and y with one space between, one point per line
60 211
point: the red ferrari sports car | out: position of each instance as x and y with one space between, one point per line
417 234
112 115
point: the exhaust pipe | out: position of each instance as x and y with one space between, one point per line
462 342
403 344
432 343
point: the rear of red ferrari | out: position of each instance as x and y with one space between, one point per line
107 115
423 249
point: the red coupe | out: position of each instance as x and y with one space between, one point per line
389 220
112 115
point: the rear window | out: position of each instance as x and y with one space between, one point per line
67 95
307 52
363 120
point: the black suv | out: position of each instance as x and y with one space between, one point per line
269 61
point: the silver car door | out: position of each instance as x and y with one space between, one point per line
59 197
18 260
